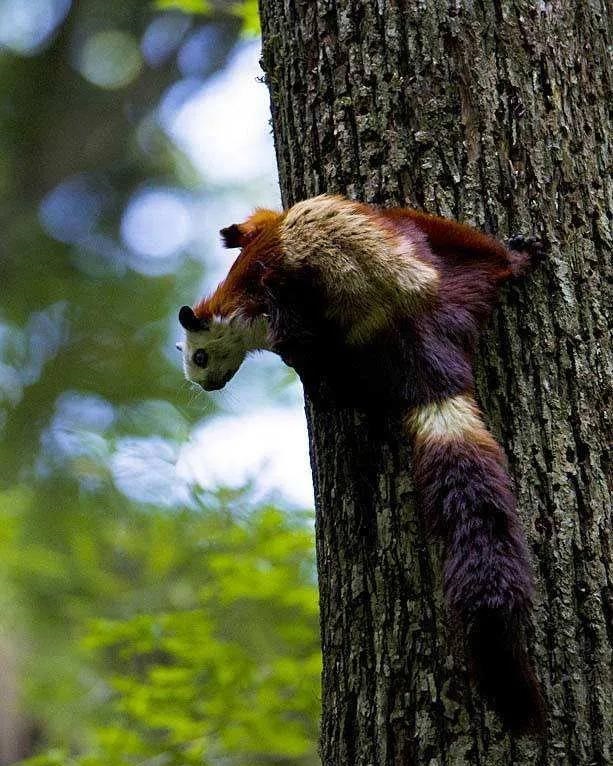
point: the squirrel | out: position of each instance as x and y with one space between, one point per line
389 303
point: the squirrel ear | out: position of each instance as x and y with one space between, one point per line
233 236
189 321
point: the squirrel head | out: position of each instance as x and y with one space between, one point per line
215 347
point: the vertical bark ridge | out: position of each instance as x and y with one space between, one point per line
493 113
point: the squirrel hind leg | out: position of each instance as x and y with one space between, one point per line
525 252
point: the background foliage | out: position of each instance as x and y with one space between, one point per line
146 618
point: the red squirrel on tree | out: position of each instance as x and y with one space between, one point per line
388 305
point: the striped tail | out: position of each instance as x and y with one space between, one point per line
466 495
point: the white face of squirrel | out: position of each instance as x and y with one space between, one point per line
214 350
212 356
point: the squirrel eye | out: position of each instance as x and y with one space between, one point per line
200 357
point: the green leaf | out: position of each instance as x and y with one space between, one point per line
246 10
249 12
187 6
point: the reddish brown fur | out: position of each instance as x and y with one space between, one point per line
461 252
241 290
454 239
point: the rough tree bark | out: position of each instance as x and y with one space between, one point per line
493 113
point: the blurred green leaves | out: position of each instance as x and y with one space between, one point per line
227 676
208 647
187 6
246 10
152 623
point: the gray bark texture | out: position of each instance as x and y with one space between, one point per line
495 114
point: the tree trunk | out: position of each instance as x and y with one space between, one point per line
494 114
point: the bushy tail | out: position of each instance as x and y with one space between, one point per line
466 495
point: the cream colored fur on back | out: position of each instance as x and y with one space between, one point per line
371 274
